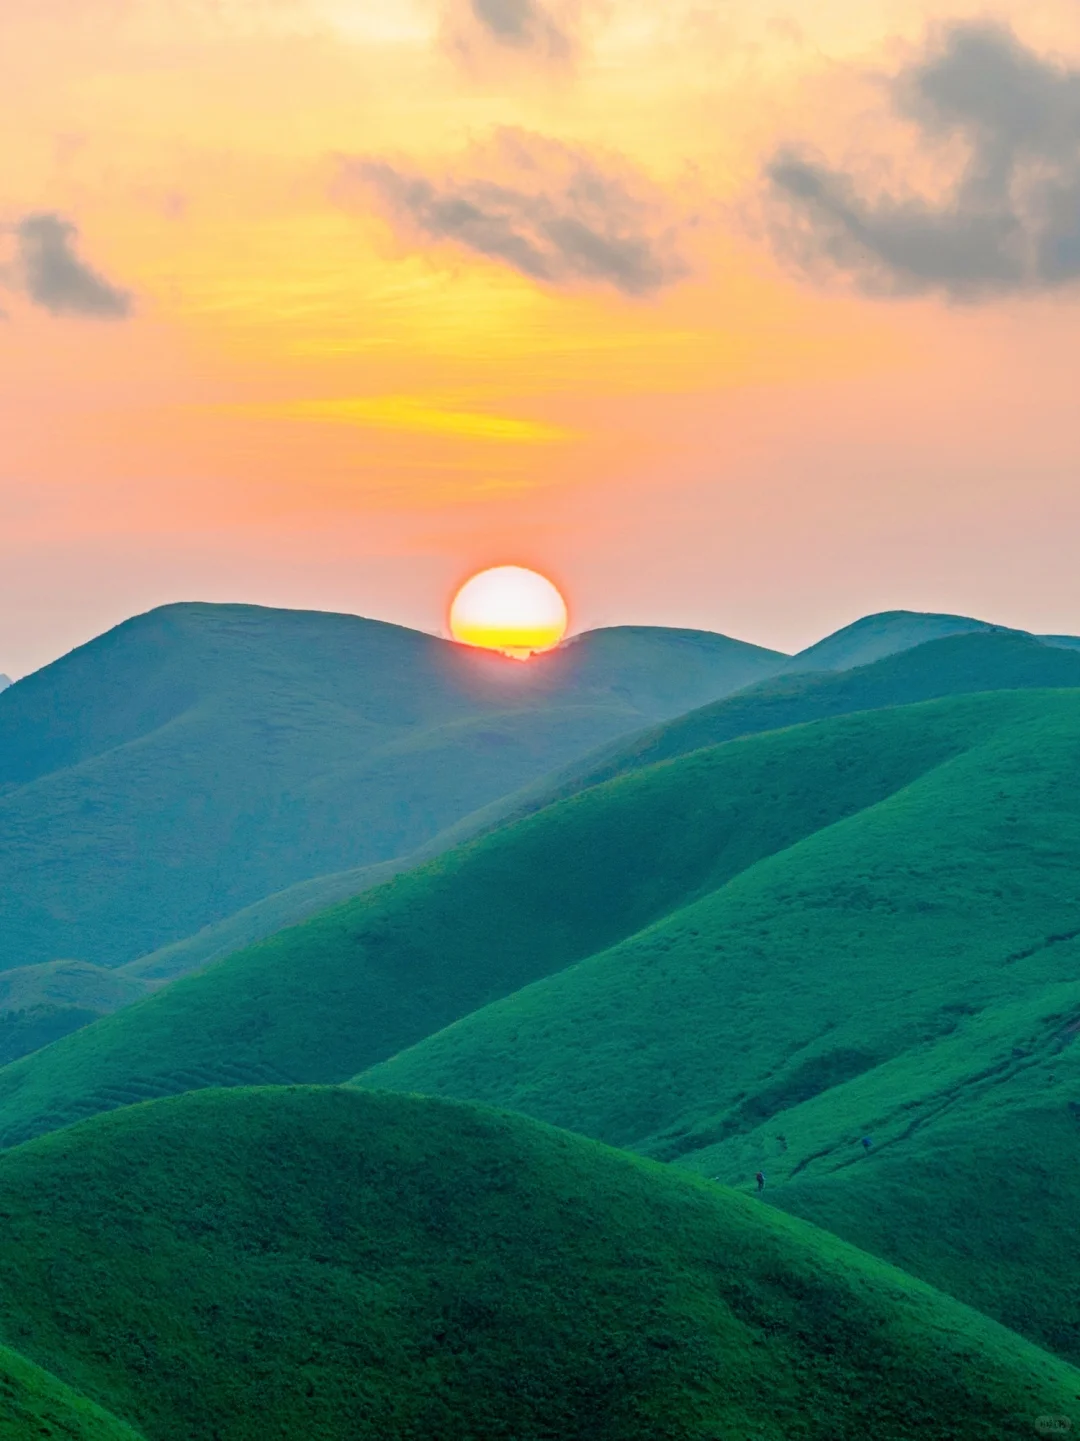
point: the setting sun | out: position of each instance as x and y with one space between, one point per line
510 609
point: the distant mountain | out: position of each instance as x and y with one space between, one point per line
5 681
38 1004
318 1263
876 636
199 758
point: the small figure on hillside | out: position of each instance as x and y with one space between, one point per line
760 1179
867 1142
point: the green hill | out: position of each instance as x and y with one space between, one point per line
289 907
38 1004
34 1404
334 1265
887 633
908 973
361 982
199 758
962 664
755 954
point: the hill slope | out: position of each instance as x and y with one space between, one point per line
909 972
199 758
356 985
337 1266
976 661
876 636
35 1404
40 1003
963 664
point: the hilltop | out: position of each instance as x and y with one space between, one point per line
200 758
887 633
339 1266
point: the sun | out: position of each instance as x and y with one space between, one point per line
510 609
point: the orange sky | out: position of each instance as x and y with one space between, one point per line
388 292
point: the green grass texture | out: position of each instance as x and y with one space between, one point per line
199 758
336 1265
35 1406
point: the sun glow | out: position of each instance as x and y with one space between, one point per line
510 609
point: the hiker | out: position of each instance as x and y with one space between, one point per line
866 1143
760 1179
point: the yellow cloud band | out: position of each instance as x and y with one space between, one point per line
418 417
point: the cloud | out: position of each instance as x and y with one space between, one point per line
537 29
1010 223
53 276
550 211
522 24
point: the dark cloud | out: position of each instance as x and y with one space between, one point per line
543 30
1011 221
54 277
547 210
521 24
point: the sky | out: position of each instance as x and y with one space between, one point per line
749 316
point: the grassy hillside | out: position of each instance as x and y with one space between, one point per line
978 661
988 660
753 955
354 986
331 1265
38 1004
906 973
34 1404
199 758
255 922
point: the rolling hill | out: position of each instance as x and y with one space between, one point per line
753 954
907 974
887 633
974 661
961 664
200 758
38 1004
363 981
233 1266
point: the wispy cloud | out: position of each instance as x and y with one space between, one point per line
553 212
50 273
1010 223
414 415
